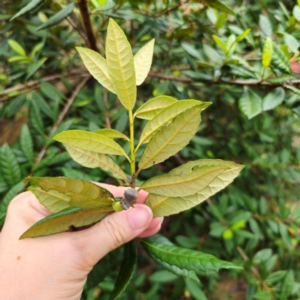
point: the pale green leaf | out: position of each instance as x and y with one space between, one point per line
112 133
30 6
220 43
291 42
120 65
97 66
167 115
265 25
242 35
58 17
250 104
171 138
143 61
90 141
58 193
152 107
92 159
267 52
165 206
17 47
183 185
273 99
66 219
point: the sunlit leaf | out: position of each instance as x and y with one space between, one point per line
17 47
220 43
273 99
112 133
66 220
250 103
30 6
57 193
184 258
152 107
90 141
242 35
58 17
267 52
92 159
120 65
97 66
127 270
143 61
171 138
167 115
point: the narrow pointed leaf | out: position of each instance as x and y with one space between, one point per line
152 107
65 220
267 52
17 47
220 43
112 134
184 258
127 270
120 65
165 206
273 99
171 138
56 193
26 142
167 115
183 185
97 66
143 61
92 159
250 104
280 61
30 6
58 17
90 141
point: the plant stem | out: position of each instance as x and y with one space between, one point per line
132 152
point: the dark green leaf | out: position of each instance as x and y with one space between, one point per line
195 289
26 142
58 17
30 6
280 61
163 276
273 99
127 270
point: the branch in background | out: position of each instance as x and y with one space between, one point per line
85 15
61 117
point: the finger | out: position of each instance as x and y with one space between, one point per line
112 232
153 228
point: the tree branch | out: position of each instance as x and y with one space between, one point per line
85 15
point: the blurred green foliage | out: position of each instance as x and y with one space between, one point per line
201 52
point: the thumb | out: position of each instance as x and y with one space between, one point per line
113 231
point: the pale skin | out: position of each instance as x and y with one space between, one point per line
56 267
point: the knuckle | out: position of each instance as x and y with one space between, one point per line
115 231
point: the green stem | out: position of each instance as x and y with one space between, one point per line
132 152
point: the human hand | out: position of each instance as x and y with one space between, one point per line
56 267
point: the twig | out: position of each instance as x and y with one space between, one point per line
61 117
107 119
87 24
80 32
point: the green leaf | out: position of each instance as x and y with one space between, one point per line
184 259
165 206
273 99
90 141
112 134
35 117
291 42
275 277
152 107
287 286
120 65
171 138
267 52
143 61
38 101
58 17
26 143
92 159
250 104
265 26
218 5
17 47
183 185
166 115
195 289
280 61
65 220
32 68
30 6
220 43
127 270
242 35
97 66
162 276
58 193
9 165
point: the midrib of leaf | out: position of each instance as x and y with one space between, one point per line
121 70
48 193
158 203
167 141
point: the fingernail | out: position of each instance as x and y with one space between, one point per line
139 216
